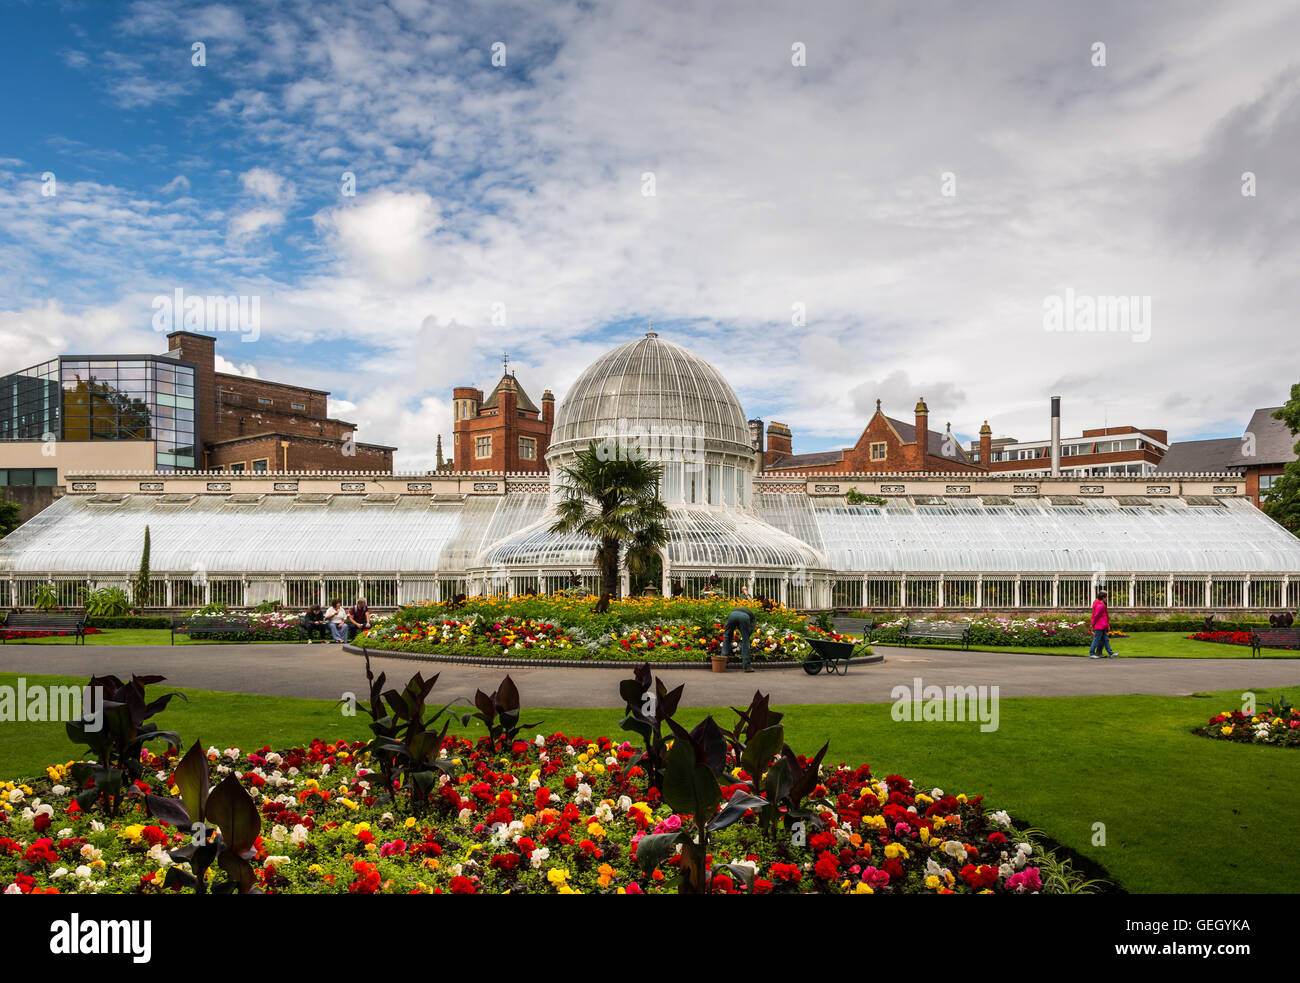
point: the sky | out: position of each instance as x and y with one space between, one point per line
833 202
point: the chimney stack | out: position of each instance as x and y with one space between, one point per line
986 446
1056 436
922 434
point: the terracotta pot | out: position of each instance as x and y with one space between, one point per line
719 663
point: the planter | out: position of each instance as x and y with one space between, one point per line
719 663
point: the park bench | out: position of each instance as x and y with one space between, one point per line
209 624
936 631
1274 638
62 621
834 656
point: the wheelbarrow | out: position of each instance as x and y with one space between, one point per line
831 656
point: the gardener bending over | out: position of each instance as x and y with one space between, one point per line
740 620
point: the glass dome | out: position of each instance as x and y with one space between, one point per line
656 392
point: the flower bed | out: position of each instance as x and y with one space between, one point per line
555 814
1222 637
565 628
1278 724
17 634
1046 632
418 810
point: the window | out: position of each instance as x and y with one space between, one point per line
878 451
28 476
297 406
237 468
1267 481
483 447
528 448
263 401
260 467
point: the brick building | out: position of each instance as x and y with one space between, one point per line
886 445
247 424
504 432
1096 452
1260 454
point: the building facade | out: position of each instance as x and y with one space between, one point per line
1094 453
505 432
163 413
886 446
1259 455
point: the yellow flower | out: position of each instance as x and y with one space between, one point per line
350 804
410 822
558 876
895 850
863 888
932 882
595 830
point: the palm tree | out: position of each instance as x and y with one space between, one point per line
616 503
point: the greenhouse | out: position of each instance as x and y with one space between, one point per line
301 538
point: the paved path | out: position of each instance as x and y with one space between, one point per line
324 672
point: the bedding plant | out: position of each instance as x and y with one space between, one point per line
565 627
1278 723
421 810
1048 631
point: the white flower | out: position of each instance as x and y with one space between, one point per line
936 793
539 856
1001 818
279 833
16 796
60 790
465 814
932 868
91 852
159 855
83 872
64 833
277 861
1025 848
96 826
13 889
954 848
59 873
299 835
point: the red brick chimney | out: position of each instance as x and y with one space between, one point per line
986 446
780 443
508 401
922 435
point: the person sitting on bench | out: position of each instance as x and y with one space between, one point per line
313 623
358 618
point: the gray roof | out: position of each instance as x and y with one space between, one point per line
934 446
1199 456
1274 442
819 459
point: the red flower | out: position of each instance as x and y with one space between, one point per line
463 885
827 866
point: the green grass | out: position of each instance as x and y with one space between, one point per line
1182 813
1141 645
132 636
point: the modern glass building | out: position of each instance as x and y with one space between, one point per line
922 542
94 398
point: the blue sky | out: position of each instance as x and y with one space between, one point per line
504 207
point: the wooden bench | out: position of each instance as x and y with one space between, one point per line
63 622
210 624
936 630
1274 638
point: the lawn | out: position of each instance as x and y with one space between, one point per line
1181 813
1143 645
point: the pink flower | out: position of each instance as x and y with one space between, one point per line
1025 880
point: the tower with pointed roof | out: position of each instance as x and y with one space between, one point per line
504 431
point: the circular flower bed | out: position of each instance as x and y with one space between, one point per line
1278 724
560 627
554 814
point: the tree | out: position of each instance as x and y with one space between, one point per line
10 516
615 502
143 586
1282 501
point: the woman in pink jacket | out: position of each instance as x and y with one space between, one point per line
1100 627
